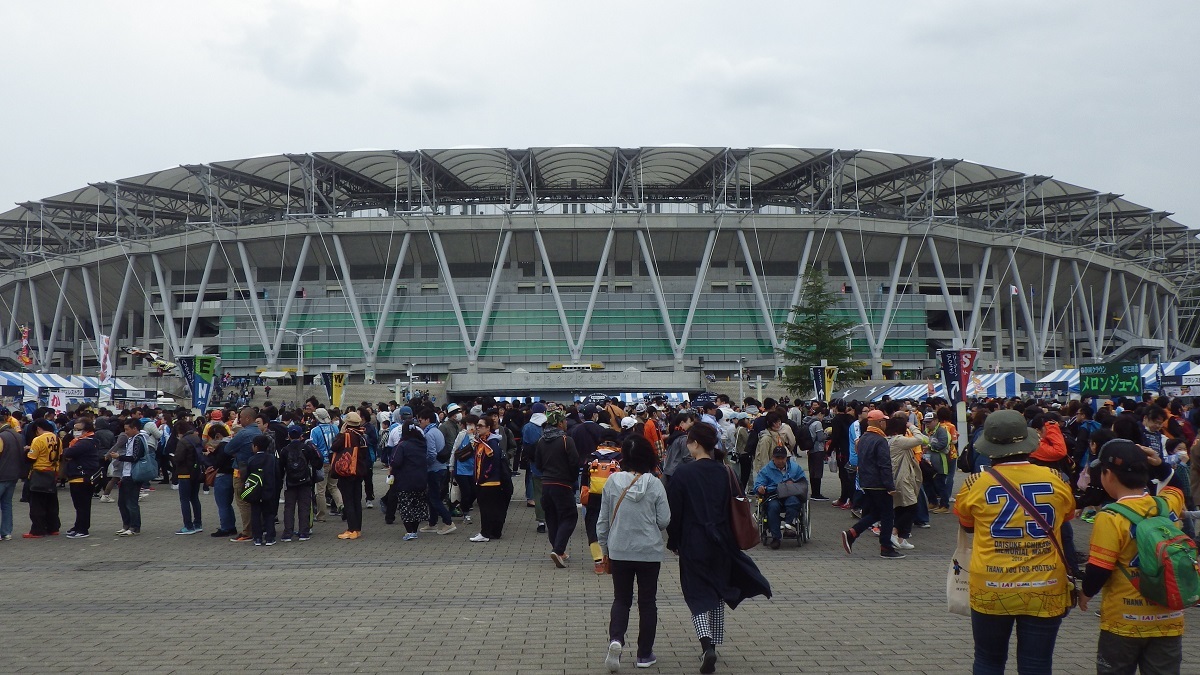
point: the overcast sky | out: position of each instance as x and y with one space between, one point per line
1100 94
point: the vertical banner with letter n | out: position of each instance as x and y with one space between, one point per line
204 374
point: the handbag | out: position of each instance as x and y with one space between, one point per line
1073 583
606 563
210 476
43 481
741 520
455 493
791 488
958 577
831 464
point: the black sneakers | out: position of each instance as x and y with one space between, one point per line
708 661
847 541
890 553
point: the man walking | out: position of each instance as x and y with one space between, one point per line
435 444
875 479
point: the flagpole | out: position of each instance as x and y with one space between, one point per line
1012 325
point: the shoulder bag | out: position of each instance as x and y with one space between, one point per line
43 481
741 520
1030 510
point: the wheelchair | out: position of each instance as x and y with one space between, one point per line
799 529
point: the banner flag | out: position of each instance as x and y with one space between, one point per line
203 375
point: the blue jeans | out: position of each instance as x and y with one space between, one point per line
945 485
437 507
223 495
792 505
922 507
189 502
1035 643
7 488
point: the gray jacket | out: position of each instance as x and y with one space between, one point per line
634 532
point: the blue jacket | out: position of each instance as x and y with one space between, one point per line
240 447
323 436
408 466
434 442
770 476
875 462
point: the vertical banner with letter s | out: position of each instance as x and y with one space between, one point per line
204 374
957 365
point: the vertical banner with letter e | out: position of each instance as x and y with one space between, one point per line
818 383
830 375
203 375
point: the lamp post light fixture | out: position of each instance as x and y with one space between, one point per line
300 335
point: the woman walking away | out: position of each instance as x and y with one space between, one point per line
1018 575
712 570
82 459
493 480
45 453
633 513
407 473
189 475
350 463
904 440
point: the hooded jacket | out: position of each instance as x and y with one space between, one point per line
634 531
556 456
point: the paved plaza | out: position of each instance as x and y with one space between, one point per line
160 603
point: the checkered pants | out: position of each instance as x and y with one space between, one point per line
711 625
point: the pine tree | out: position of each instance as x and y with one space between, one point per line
816 333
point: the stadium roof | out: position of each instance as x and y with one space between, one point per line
809 180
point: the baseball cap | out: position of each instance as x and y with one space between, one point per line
876 415
452 408
1005 434
628 422
1121 455
538 407
641 408
555 417
929 416
295 431
405 412
589 410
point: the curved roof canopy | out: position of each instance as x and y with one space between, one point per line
808 180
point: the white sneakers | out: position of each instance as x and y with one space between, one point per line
479 538
899 543
612 658
105 499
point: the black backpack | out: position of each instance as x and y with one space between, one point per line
297 471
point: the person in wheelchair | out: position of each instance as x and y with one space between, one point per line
781 471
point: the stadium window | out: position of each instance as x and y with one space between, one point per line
744 287
526 289
429 289
623 287
720 287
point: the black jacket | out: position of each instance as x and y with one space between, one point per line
586 437
82 458
555 455
269 464
874 462
409 465
12 455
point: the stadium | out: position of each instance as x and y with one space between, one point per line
588 268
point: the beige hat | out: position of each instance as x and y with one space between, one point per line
352 419
322 415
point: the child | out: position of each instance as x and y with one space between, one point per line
266 505
1134 633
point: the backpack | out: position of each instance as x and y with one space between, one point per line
297 471
598 471
817 430
145 469
1166 574
253 489
345 463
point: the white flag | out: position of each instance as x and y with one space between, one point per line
105 358
1013 290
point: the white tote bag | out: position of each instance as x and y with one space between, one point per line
958 577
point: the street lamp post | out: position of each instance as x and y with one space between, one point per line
741 379
300 335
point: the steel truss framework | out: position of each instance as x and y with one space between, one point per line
912 202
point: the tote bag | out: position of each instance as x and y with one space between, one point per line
958 577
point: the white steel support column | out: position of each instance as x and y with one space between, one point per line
1102 318
876 366
886 325
93 312
1143 315
444 266
37 321
1127 319
941 276
763 307
1173 326
800 274
700 277
191 327
388 299
1048 311
115 330
348 287
652 272
164 292
260 323
48 355
490 298
601 270
1087 308
273 354
973 326
1030 331
12 320
549 272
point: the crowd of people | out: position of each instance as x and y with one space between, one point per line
638 471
